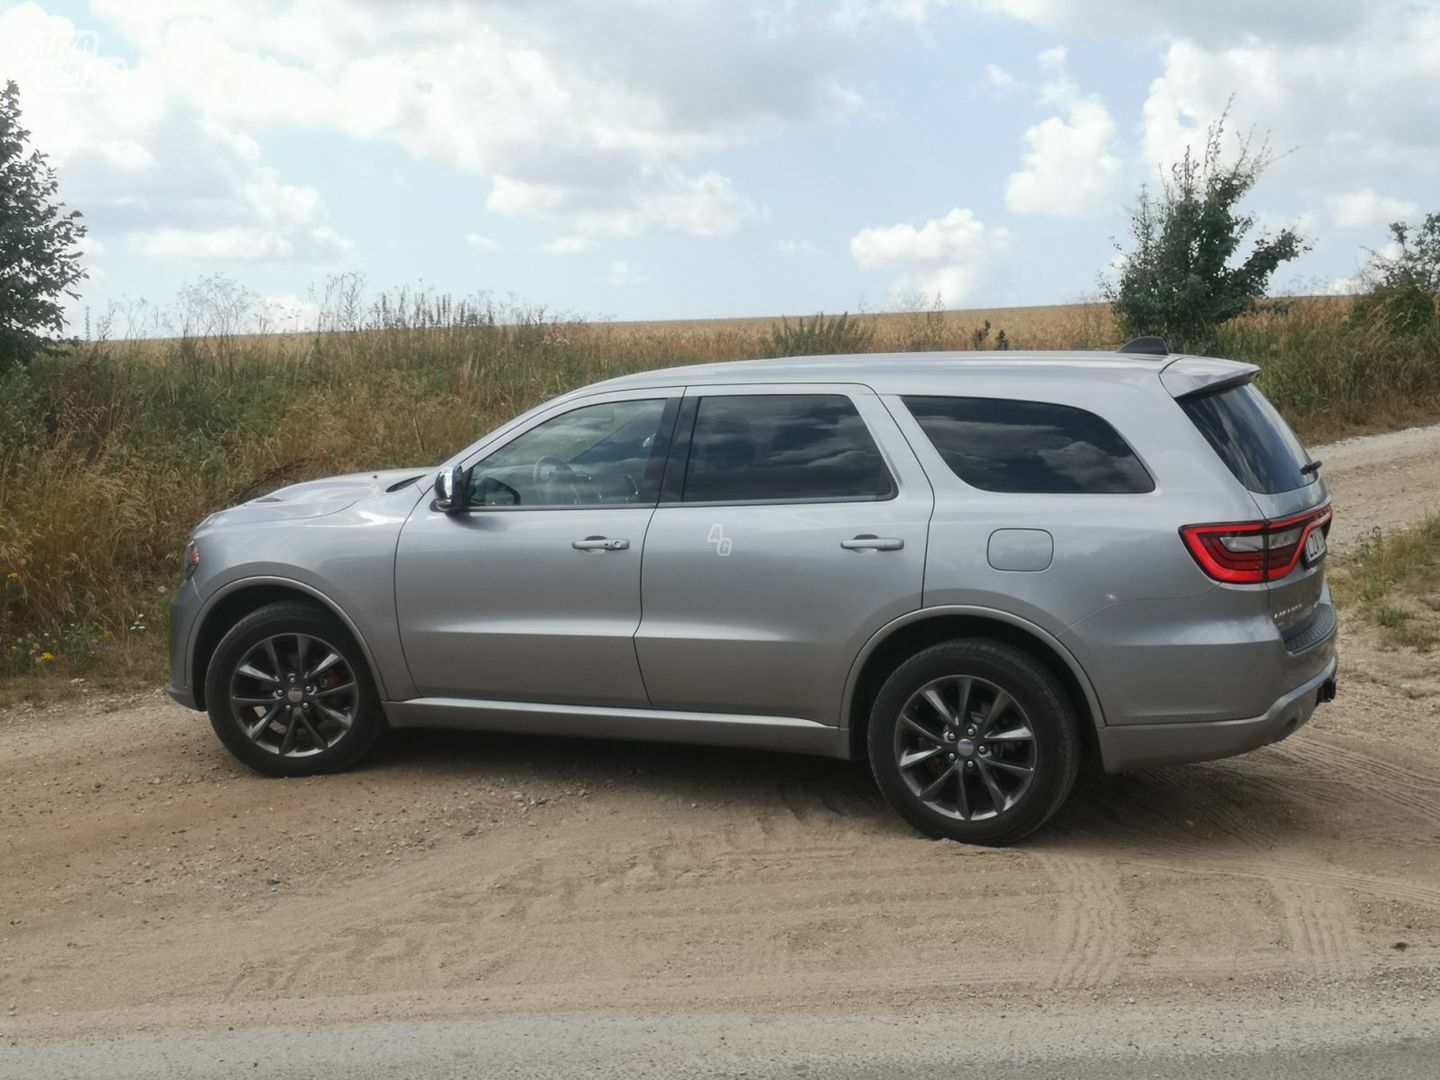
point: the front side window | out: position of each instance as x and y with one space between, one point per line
783 447
1029 446
595 455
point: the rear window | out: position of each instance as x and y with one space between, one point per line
1029 446
1251 438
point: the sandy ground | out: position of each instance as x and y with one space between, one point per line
1383 482
150 884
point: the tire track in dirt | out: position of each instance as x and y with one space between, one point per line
1318 922
1373 778
1090 922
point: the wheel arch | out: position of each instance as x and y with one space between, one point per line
893 643
237 599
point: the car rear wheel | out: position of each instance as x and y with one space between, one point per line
973 740
289 694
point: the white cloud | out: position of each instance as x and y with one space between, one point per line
626 273
592 117
1070 169
568 245
705 205
482 243
1351 109
146 165
1213 22
1367 209
949 257
798 247
287 314
999 77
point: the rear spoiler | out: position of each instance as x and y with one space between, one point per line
1189 376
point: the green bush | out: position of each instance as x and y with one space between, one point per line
1181 280
821 336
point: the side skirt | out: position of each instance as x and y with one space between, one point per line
786 733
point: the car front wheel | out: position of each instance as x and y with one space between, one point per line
289 694
973 740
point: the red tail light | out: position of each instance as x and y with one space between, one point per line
1251 552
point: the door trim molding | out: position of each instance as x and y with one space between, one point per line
602 722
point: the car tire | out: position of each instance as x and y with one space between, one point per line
289 693
974 740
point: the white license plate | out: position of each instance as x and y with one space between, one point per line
1314 547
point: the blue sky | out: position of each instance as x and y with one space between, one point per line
678 158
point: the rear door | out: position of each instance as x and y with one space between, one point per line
1259 448
792 526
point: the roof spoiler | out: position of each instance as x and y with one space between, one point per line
1191 376
1147 346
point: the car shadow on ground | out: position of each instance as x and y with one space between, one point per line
1264 800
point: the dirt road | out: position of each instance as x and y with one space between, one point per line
151 884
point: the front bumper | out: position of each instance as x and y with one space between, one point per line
184 608
1138 746
183 695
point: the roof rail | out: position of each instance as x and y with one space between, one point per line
1150 346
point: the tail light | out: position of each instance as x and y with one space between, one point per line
1251 552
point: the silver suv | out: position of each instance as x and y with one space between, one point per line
970 569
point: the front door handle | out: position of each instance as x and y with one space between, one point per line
600 543
870 542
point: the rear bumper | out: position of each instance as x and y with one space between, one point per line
1137 746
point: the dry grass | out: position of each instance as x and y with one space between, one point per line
1391 581
111 453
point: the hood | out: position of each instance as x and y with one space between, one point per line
316 498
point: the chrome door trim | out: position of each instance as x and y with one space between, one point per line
788 733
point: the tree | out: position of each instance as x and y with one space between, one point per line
1181 280
1403 285
39 259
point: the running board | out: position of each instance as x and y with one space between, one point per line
786 733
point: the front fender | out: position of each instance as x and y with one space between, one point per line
218 601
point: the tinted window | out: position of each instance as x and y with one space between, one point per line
598 454
1250 437
782 447
1029 446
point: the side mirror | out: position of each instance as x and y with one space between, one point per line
452 490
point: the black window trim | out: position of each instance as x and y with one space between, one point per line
672 487
660 454
1139 460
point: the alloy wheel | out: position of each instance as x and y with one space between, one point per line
294 695
965 748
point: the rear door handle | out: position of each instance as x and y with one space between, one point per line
870 542
600 543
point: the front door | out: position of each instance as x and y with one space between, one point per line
533 593
795 529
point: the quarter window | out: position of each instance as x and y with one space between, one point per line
595 455
785 448
1029 446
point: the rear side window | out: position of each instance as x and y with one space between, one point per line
1029 446
782 447
1250 437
